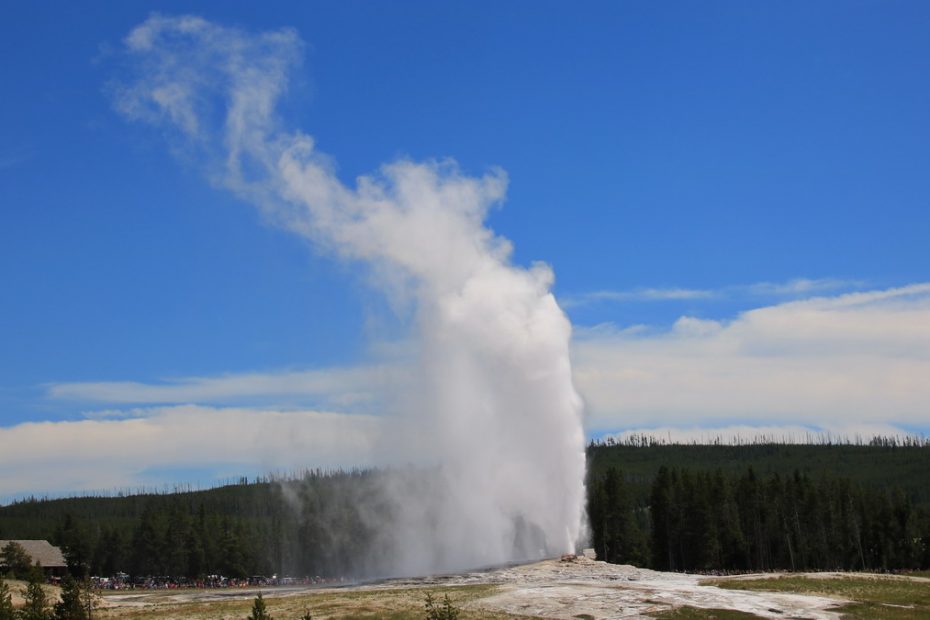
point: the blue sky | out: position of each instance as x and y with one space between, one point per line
741 184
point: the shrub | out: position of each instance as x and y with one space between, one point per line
259 612
36 607
6 601
440 611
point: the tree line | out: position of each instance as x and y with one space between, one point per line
693 520
677 507
315 525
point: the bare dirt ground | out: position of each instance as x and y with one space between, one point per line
548 589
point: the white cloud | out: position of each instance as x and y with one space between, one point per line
795 288
636 295
800 286
853 363
831 362
847 365
109 453
339 387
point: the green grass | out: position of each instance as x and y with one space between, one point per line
698 613
874 597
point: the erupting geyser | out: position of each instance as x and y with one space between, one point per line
493 407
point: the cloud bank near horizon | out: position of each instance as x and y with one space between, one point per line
119 449
842 365
856 359
824 362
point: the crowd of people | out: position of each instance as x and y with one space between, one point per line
123 581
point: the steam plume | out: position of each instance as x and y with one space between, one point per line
493 408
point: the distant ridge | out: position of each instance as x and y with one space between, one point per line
879 461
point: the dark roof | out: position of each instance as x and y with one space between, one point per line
41 551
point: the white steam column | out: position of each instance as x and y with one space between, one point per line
492 405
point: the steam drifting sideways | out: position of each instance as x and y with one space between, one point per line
492 407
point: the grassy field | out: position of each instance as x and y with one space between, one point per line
874 597
18 588
391 604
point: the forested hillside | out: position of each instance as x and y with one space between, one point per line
761 506
308 525
904 463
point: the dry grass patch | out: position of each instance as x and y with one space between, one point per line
374 602
18 589
874 596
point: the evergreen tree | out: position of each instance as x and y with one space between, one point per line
6 601
706 549
175 549
232 554
196 555
74 545
752 509
597 516
71 605
661 515
727 525
618 537
906 532
109 554
36 606
203 531
88 600
259 612
145 547
15 558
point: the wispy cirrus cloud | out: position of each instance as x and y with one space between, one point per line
350 387
797 287
831 361
634 295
